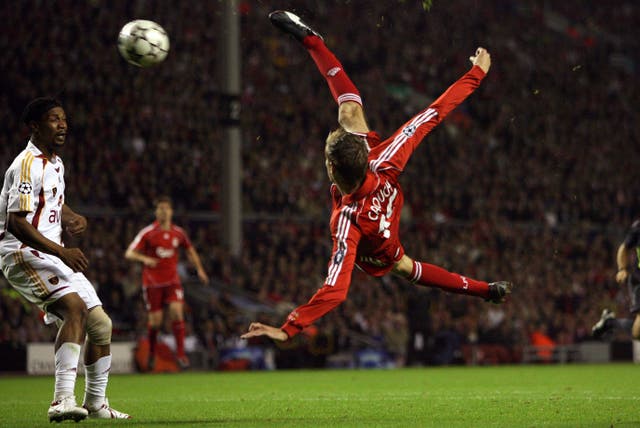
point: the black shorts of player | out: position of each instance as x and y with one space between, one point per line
634 295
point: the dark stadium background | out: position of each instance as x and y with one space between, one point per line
534 179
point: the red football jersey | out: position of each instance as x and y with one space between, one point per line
364 224
153 241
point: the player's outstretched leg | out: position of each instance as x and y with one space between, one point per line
498 291
341 86
429 275
66 408
292 24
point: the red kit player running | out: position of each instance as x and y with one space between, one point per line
156 247
367 197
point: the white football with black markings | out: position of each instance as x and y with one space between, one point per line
143 43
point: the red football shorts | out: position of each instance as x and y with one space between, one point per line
382 261
156 297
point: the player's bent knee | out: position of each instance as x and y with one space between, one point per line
403 267
99 326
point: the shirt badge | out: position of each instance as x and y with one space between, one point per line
25 188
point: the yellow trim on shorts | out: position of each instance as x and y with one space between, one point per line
32 274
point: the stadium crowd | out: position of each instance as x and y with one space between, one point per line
531 180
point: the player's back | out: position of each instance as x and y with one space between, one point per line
374 209
379 218
382 202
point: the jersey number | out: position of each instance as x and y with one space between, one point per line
385 220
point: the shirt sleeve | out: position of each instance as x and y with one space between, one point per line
395 152
138 243
336 285
25 185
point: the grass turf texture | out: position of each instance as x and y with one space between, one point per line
511 396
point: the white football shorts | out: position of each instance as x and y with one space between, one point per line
42 279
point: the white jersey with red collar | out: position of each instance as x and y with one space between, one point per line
35 185
364 224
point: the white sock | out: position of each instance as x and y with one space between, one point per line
97 377
66 359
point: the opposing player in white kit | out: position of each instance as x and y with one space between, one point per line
33 214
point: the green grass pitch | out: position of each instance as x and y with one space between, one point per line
510 396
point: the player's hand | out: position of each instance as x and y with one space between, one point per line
204 278
74 258
621 276
258 329
76 225
482 59
150 262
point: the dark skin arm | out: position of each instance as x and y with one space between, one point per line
72 222
18 225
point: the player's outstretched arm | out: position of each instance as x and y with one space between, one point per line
417 128
257 329
351 114
458 91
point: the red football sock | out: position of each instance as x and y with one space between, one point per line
178 333
434 276
342 88
153 339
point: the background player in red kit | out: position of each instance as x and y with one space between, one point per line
156 246
367 197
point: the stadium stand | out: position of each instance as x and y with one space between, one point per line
530 180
